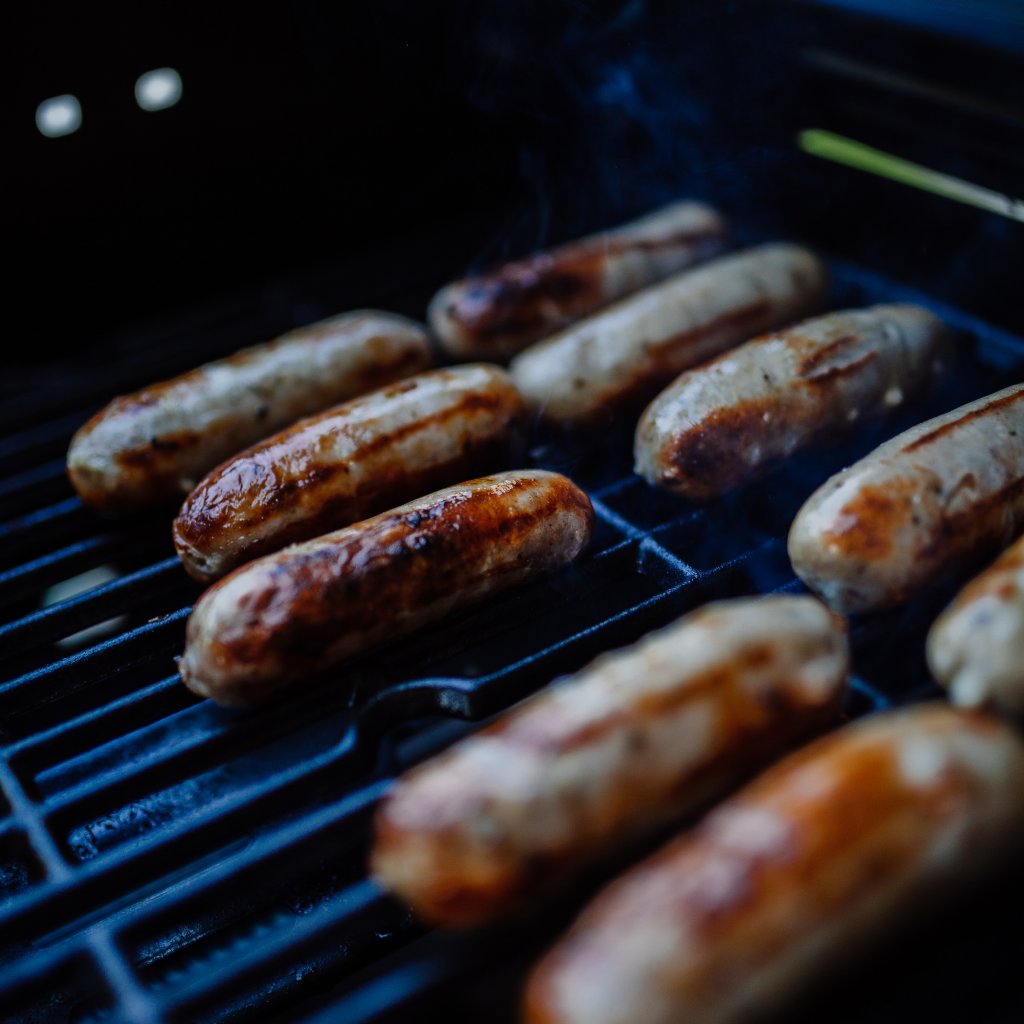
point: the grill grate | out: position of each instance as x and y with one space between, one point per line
164 860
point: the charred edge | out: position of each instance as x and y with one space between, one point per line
962 420
711 458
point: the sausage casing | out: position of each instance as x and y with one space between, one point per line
632 742
496 314
276 621
351 462
155 444
621 357
925 502
814 861
725 423
976 647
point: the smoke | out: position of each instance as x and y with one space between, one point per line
607 101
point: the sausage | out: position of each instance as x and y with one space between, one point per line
924 503
633 741
155 444
496 314
276 621
976 647
725 423
803 869
620 358
350 462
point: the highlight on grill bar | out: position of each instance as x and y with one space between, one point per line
166 860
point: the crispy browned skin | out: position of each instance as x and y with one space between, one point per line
924 503
819 858
498 313
730 420
635 740
275 622
351 462
976 647
155 444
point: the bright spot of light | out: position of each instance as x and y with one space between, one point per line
59 115
158 89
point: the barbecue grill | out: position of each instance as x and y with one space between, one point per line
162 860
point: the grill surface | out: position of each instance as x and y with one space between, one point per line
165 860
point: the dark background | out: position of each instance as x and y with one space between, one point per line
336 152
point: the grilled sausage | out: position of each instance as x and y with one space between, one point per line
496 314
620 358
938 495
976 648
809 865
630 743
725 423
272 623
155 444
351 462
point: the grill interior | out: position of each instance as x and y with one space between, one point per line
165 860
162 860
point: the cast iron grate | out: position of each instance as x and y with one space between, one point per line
162 860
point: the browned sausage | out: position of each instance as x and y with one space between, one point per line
632 742
822 855
273 623
350 462
155 444
976 647
496 314
725 423
620 358
926 502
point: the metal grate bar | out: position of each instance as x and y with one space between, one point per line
139 589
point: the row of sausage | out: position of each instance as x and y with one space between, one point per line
324 561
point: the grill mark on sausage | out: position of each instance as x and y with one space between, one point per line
991 521
530 731
202 519
755 308
831 373
945 428
655 372
822 354
501 300
389 563
158 449
875 516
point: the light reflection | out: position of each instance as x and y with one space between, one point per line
59 115
158 89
